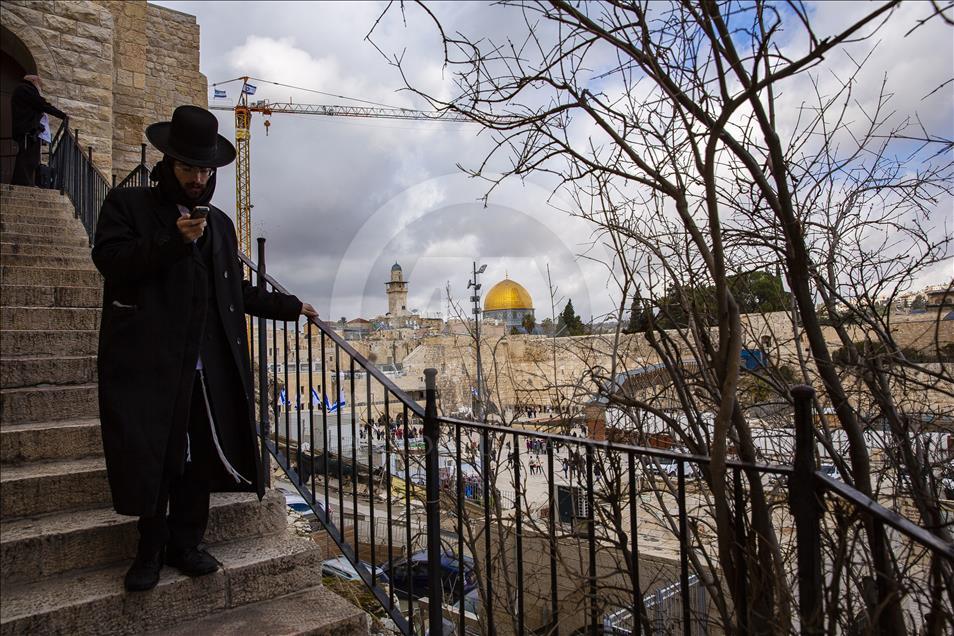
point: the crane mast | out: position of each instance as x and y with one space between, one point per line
243 134
243 181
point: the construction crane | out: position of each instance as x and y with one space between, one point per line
243 119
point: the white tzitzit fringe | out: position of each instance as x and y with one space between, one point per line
215 438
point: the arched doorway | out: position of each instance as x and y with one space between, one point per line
15 62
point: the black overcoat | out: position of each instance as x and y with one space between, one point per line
26 109
157 295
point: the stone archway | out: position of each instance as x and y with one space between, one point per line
18 52
25 38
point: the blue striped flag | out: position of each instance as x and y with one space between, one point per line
219 94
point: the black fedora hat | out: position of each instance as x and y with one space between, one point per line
192 137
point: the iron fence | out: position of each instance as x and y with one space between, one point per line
77 176
138 177
664 611
540 565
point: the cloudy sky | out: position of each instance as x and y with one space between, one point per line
341 199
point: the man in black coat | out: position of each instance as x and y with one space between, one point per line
175 385
27 107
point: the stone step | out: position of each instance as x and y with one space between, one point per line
47 343
27 192
49 197
41 239
58 370
33 296
45 441
48 403
316 611
80 262
13 207
39 487
27 211
49 276
94 602
49 318
44 227
36 548
34 249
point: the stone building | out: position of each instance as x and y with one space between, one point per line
113 67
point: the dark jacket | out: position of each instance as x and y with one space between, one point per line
164 303
27 107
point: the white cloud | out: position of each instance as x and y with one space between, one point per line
341 199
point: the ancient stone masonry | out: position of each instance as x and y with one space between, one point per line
129 68
72 45
114 67
172 76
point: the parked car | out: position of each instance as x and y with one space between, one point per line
471 602
668 466
408 573
830 470
342 568
297 503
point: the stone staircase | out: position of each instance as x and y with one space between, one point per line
63 551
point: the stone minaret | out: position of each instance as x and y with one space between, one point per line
397 292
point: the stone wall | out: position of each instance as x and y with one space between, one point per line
172 76
72 44
113 67
156 68
129 81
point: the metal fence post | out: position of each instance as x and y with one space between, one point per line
143 179
806 508
432 507
262 367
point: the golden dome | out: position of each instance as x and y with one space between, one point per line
507 295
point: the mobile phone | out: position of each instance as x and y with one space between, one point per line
199 212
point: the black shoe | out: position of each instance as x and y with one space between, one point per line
143 574
191 561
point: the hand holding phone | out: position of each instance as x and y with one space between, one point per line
193 226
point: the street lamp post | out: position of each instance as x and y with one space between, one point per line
475 299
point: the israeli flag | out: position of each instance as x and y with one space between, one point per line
219 94
331 408
249 89
283 398
315 400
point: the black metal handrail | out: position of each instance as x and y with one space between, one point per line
808 487
329 474
138 176
76 176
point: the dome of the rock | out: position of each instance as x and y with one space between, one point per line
507 294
